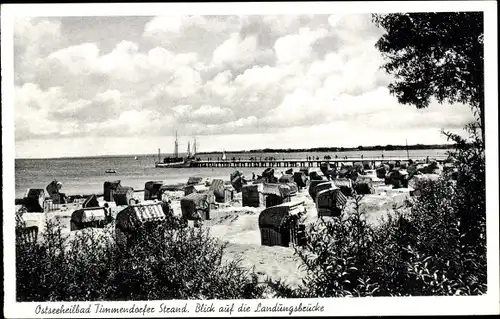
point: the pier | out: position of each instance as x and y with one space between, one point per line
305 162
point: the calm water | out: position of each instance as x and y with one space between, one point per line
87 175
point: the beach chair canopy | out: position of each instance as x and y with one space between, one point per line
315 176
325 185
345 185
293 188
134 216
286 179
87 215
275 216
193 180
237 182
195 189
235 174
35 193
34 200
281 190
90 202
342 182
53 187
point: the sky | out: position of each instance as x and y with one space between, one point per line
88 86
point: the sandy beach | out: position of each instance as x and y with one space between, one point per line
237 226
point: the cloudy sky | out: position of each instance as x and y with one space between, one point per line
123 85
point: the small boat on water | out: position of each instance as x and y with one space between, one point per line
111 171
136 158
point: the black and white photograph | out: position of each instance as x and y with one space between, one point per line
200 159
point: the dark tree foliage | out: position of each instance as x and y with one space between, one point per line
436 55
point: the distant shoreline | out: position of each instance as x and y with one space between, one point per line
388 147
344 149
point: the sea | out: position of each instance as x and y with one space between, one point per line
86 175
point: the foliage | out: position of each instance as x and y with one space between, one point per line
435 246
436 55
163 262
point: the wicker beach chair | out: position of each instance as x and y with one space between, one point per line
324 167
278 225
300 179
196 206
26 231
321 187
364 186
53 191
330 202
276 194
34 200
252 195
268 175
95 217
286 178
381 171
132 218
152 190
109 188
123 195
312 186
345 185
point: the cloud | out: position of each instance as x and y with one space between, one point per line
297 47
209 75
190 33
34 39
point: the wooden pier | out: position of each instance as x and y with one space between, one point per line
304 162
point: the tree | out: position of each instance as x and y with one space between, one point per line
438 55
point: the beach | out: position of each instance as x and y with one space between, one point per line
238 227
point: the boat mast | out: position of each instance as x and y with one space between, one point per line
176 147
194 147
189 149
159 160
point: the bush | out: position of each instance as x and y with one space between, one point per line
163 263
435 246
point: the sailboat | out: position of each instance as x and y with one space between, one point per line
223 155
176 161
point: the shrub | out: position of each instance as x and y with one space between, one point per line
164 262
435 246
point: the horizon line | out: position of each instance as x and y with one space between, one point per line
288 150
